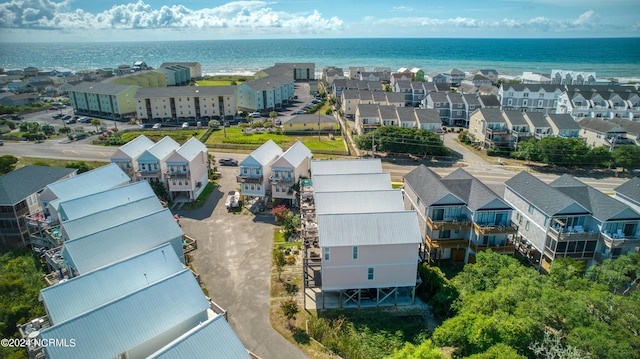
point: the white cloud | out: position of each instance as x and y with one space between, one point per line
46 14
402 8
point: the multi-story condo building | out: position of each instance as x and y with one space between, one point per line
195 68
103 100
186 103
255 170
568 218
458 215
608 102
454 76
266 93
287 170
530 97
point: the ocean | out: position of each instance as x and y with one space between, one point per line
608 57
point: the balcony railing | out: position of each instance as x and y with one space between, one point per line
283 180
148 173
497 131
620 240
447 243
248 179
449 224
505 248
486 228
561 235
39 220
177 174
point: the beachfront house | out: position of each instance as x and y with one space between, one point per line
127 155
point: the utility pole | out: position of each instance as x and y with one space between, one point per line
373 144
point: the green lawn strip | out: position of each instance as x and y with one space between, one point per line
214 83
202 198
234 135
180 136
26 161
324 144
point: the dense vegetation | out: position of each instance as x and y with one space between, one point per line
508 308
574 152
20 283
393 139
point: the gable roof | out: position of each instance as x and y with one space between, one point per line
368 229
630 189
123 324
600 126
601 206
537 119
192 149
329 167
547 199
135 147
265 153
515 118
490 100
121 241
17 185
213 338
428 115
100 201
89 182
491 115
358 201
75 296
351 182
160 150
563 121
295 154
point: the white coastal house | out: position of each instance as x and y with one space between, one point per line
152 162
126 157
287 170
187 170
255 170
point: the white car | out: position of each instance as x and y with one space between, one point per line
185 125
157 125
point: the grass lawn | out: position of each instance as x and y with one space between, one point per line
235 136
25 161
214 82
223 80
180 136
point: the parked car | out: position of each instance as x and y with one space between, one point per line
185 125
255 114
233 200
57 116
70 121
1 143
53 108
228 162
84 120
299 112
66 117
157 125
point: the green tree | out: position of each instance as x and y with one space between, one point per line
7 164
291 223
64 129
600 156
290 309
394 139
80 165
426 350
96 122
279 260
273 115
627 156
527 150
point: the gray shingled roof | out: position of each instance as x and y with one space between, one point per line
491 115
426 115
427 185
268 83
406 114
471 100
547 199
564 121
17 185
455 98
538 119
394 97
350 94
515 118
602 206
387 112
534 87
599 125
100 88
632 127
368 110
490 101
630 189
439 97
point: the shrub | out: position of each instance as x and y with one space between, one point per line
280 212
291 259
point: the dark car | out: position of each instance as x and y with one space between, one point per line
59 115
228 162
84 120
71 120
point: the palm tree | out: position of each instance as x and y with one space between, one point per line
273 115
96 123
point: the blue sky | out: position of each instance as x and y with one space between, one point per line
105 20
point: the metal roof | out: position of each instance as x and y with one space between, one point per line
100 201
93 181
101 88
123 240
296 154
133 148
265 153
152 312
330 167
97 221
213 339
160 150
64 301
17 185
185 91
368 229
358 201
351 182
191 149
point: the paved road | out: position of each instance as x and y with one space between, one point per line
234 262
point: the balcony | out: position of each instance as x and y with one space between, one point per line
281 180
563 234
620 240
487 229
248 179
148 173
497 131
457 243
507 248
449 224
178 174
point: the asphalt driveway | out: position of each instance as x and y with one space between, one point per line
234 262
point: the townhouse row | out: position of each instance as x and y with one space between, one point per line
112 241
183 170
460 216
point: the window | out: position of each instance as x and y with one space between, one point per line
526 226
326 253
546 222
370 273
526 94
530 209
354 253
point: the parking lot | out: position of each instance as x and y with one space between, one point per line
234 262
